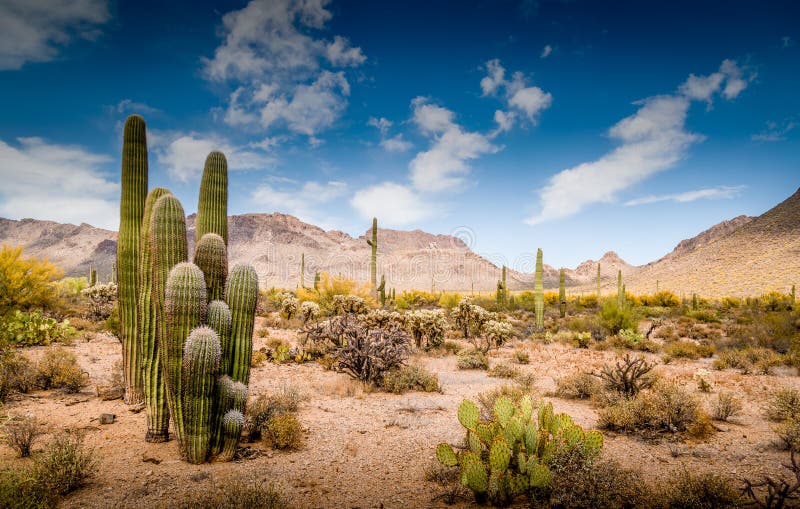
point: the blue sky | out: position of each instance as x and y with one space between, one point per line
568 125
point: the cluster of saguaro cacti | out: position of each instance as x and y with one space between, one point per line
193 322
562 294
373 261
538 288
510 455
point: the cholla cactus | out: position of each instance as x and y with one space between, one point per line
289 306
511 454
703 378
382 318
498 332
102 299
463 315
428 324
349 304
309 311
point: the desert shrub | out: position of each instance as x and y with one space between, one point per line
587 301
362 353
583 339
449 480
703 379
25 283
64 465
784 404
410 378
666 407
705 315
282 431
727 406
688 350
614 318
285 400
503 371
451 347
776 492
594 485
258 359
233 494
102 299
473 359
788 434
448 300
112 323
521 356
58 369
309 311
628 376
514 392
585 323
688 490
427 327
21 433
578 385
28 329
749 360
330 287
17 373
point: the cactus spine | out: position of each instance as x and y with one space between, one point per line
131 210
212 206
373 263
539 291
241 294
211 255
154 390
185 309
201 355
562 295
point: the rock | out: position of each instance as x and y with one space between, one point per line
107 418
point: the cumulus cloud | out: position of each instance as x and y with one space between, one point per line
57 182
37 30
284 71
546 51
396 144
183 155
776 131
709 193
299 201
527 100
397 205
443 166
131 106
651 140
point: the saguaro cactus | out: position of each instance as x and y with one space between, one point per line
219 319
232 424
373 263
201 356
92 276
620 290
382 290
230 395
562 294
538 298
598 282
131 210
155 397
241 294
212 206
211 255
185 309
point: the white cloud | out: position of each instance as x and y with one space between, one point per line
396 205
57 182
272 53
505 121
444 165
396 144
651 140
184 154
381 124
710 193
529 100
734 83
300 202
776 131
131 106
37 30
546 51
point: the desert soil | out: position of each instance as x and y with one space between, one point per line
371 450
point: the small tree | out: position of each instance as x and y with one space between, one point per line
25 283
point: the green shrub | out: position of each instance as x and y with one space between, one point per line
232 494
30 329
451 347
58 369
595 485
286 400
26 283
699 491
664 408
473 359
727 406
21 433
749 360
614 318
688 350
705 315
410 378
503 371
64 465
578 385
17 373
783 405
283 431
521 356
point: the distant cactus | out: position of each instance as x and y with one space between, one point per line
154 388
562 295
241 294
598 283
211 255
501 297
134 191
382 290
316 281
620 290
539 291
694 302
373 263
212 206
92 276
185 307
201 356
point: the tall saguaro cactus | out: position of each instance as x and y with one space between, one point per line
538 298
562 294
212 206
373 262
241 294
155 397
211 255
131 210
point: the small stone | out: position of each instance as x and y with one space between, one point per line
107 418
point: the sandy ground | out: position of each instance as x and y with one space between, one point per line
370 450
